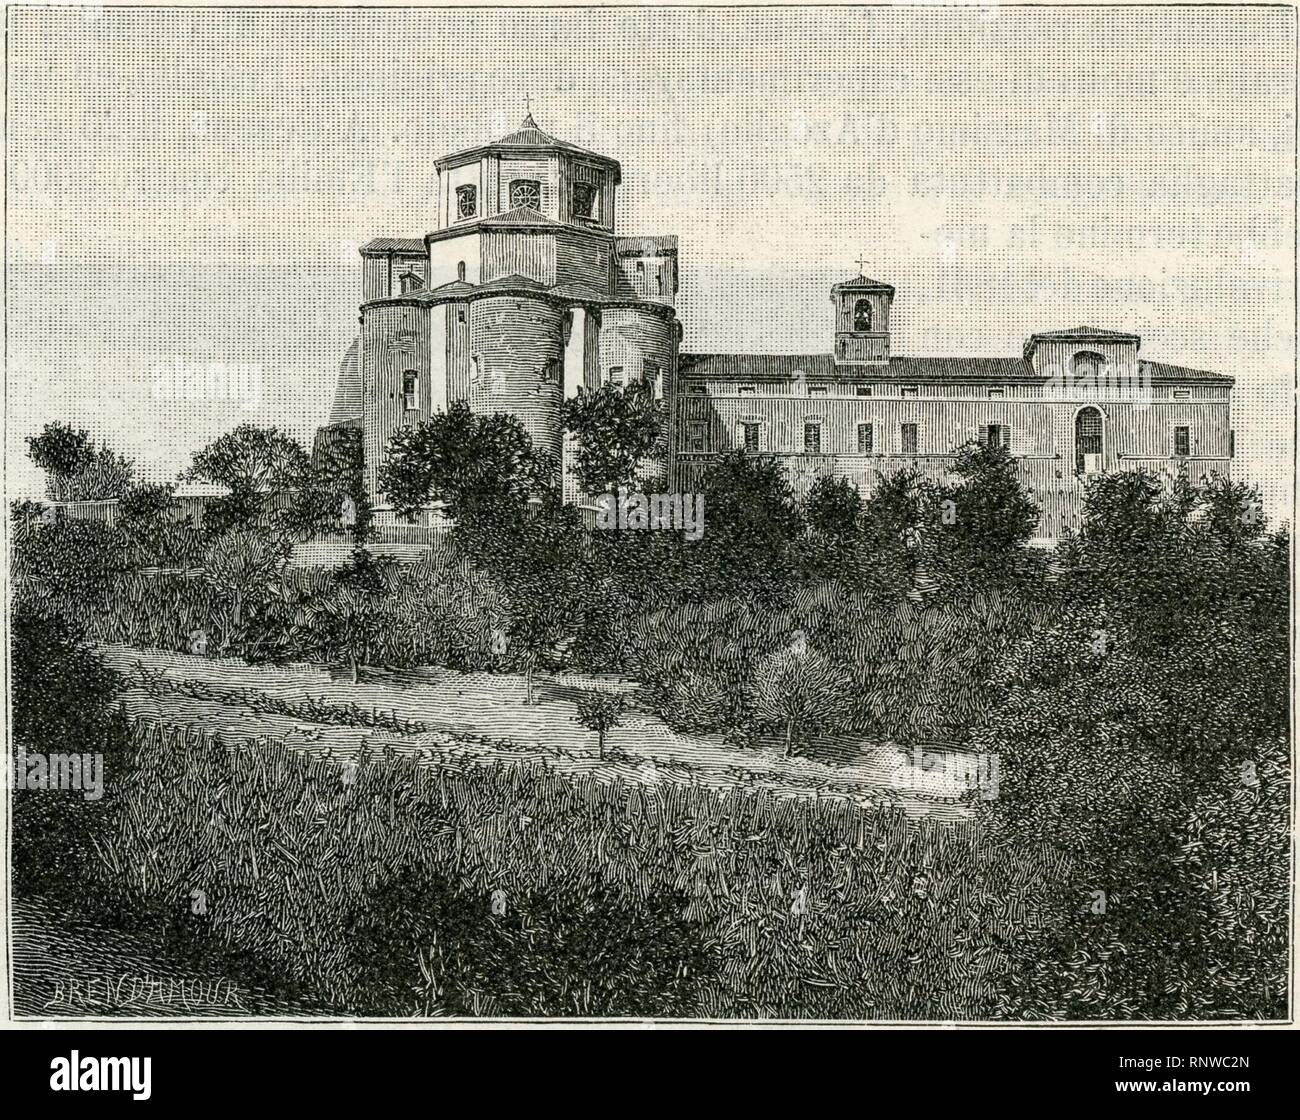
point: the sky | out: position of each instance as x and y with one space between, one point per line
187 189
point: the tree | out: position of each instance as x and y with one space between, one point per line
752 527
1233 510
833 508
77 470
832 511
797 689
153 534
461 458
339 465
899 524
988 517
509 521
63 699
348 620
615 428
244 567
60 450
599 712
1141 738
253 464
533 554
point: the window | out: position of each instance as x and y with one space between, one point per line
747 390
1089 438
866 439
460 316
697 436
995 435
409 282
460 270
816 390
996 392
640 266
863 390
907 439
410 390
909 390
526 193
812 438
653 375
584 200
1087 366
466 202
862 315
1182 441
616 376
750 431
586 191
1182 394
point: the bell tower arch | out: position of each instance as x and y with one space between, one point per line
862 309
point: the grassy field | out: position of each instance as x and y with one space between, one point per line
518 889
442 715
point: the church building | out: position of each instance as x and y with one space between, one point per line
525 291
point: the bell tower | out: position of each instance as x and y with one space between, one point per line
862 320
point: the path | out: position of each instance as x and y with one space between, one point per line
453 704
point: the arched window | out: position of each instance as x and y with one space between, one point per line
1086 367
526 192
460 270
862 315
410 389
1089 440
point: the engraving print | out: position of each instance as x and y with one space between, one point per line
721 515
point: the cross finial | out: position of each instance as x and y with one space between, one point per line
528 103
862 266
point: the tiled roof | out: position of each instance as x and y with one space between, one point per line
520 216
1085 332
645 246
759 367
530 135
863 282
756 366
194 489
410 245
452 288
1163 371
823 366
510 283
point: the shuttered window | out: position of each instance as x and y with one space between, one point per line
995 435
907 439
812 439
866 439
1182 441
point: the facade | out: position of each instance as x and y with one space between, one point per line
525 292
522 295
